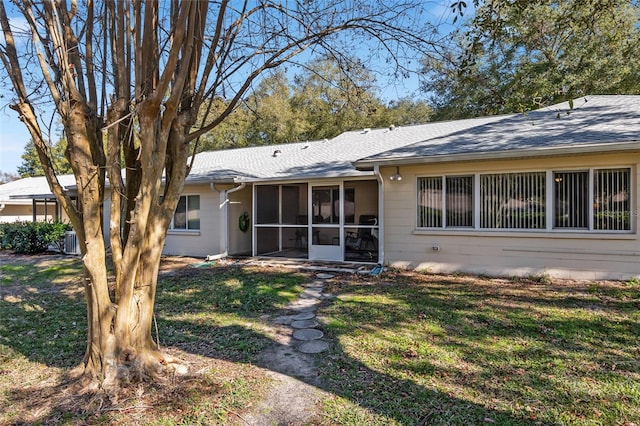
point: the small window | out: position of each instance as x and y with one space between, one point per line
452 208
611 204
187 215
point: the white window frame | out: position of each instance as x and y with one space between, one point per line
443 183
186 228
550 210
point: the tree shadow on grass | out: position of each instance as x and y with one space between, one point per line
218 313
547 356
385 397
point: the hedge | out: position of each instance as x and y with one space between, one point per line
32 237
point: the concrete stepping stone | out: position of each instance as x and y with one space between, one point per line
303 303
303 316
310 294
304 324
308 334
304 309
324 276
315 286
285 319
313 347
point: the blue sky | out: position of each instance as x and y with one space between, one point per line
14 135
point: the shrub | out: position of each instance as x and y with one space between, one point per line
32 237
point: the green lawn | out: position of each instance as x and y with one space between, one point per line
462 350
407 348
210 317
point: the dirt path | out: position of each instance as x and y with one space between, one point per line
293 398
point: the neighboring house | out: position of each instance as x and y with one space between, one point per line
552 191
30 199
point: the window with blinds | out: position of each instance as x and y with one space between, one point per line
611 204
590 200
513 201
430 202
571 197
445 202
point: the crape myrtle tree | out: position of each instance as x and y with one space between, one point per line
129 81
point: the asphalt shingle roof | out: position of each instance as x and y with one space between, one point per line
315 159
593 122
17 191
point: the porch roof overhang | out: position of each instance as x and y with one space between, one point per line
237 179
308 178
33 197
369 164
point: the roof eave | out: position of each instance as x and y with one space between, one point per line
628 146
304 178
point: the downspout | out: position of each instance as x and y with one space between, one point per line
224 202
376 171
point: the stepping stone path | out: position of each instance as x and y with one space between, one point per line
306 337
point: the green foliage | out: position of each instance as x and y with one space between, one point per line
321 102
635 281
32 237
31 165
518 56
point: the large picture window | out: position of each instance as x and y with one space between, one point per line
590 200
187 215
512 201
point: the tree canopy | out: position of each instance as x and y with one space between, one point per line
31 165
319 102
519 55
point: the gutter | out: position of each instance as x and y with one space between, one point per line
224 198
370 164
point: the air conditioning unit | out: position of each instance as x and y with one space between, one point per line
71 243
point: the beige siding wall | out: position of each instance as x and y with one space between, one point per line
579 255
240 201
24 212
209 240
16 212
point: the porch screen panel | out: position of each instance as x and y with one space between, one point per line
512 201
571 196
611 204
459 201
267 204
430 202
